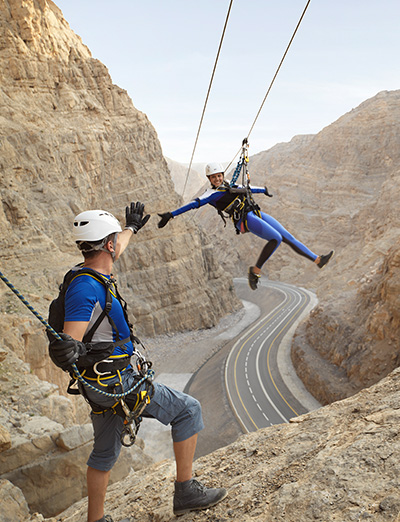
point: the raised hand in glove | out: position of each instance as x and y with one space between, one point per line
65 352
267 193
164 219
134 216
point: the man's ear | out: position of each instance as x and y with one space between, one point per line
110 246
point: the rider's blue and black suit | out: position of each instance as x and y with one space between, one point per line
248 219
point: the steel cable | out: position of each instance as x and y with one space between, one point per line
208 94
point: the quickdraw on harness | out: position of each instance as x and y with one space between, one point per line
243 203
132 414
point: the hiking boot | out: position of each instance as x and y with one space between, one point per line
325 259
191 495
253 278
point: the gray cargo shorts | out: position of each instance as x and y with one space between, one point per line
167 405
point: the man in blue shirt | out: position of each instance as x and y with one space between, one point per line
101 240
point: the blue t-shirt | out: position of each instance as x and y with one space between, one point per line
85 300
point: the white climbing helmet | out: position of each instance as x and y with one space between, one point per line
214 168
94 225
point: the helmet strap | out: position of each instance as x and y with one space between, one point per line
86 246
112 254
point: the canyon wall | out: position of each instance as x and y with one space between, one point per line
71 140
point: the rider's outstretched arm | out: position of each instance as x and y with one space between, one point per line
208 197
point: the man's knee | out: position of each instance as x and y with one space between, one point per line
189 421
195 408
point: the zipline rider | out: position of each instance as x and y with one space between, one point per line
101 240
237 202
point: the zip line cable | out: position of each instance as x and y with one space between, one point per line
278 69
149 375
208 94
273 80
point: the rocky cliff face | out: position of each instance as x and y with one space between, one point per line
339 189
339 351
70 140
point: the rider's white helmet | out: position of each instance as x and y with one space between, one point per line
214 168
94 225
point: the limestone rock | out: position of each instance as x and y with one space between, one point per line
13 503
53 481
5 439
26 450
75 436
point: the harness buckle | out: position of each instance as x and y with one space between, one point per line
96 371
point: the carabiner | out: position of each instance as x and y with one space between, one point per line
99 362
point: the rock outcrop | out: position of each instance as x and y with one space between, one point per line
337 357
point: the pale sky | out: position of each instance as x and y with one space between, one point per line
163 52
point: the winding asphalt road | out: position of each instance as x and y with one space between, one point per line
257 390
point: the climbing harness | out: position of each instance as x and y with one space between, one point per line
145 374
238 208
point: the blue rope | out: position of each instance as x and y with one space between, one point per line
149 373
237 171
22 298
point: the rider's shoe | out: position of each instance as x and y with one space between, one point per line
253 278
324 259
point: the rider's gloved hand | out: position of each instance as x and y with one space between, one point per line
65 352
164 219
134 216
267 193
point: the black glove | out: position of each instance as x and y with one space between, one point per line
66 352
267 193
134 217
164 219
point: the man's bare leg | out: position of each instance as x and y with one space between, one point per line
97 482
